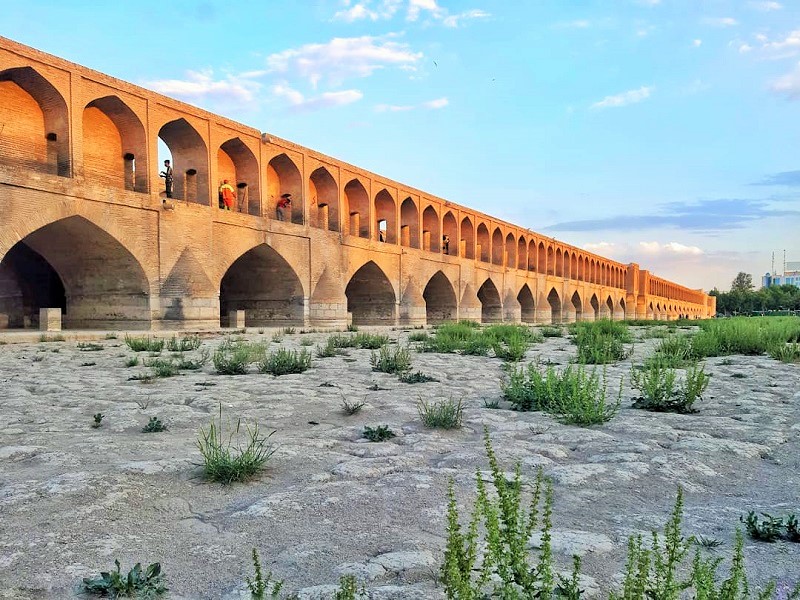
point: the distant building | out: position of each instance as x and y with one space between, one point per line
790 276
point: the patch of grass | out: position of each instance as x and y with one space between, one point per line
739 375
98 420
144 344
370 341
37 358
706 542
381 433
52 338
233 356
232 454
349 589
444 414
132 362
397 360
306 342
726 362
162 368
136 584
661 391
89 347
572 395
418 336
549 331
277 337
260 586
154 425
416 377
110 336
143 377
351 408
183 344
601 342
188 364
493 404
285 362
674 352
351 327
767 529
788 353
89 364
288 330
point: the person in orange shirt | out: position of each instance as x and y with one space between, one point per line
228 194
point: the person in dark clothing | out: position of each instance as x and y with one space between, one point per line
167 175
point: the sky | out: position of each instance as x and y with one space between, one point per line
661 132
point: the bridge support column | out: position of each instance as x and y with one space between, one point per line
512 309
327 306
469 309
605 313
50 319
568 314
412 307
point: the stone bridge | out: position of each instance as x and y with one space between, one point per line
85 226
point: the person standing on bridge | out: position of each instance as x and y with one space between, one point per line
284 204
167 175
228 194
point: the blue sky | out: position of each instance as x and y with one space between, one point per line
665 132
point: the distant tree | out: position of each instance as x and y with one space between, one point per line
743 282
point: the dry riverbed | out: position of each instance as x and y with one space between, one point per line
74 498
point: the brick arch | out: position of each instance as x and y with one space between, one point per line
237 163
595 304
325 197
36 117
441 303
431 233
450 229
114 145
610 306
409 223
554 300
577 305
356 209
484 242
559 263
491 305
386 214
283 177
527 305
468 237
189 161
262 283
371 298
511 251
522 253
541 259
567 264
497 246
573 270
102 284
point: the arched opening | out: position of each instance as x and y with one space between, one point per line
440 299
324 200
35 131
74 265
595 304
541 260
491 307
573 269
467 238
567 265
610 305
592 272
555 306
370 297
283 177
497 247
525 299
578 306
262 284
621 313
522 254
484 247
511 251
581 269
409 224
431 236
449 234
237 163
357 209
551 261
559 263
114 145
386 226
189 161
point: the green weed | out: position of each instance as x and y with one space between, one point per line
132 362
144 344
444 414
397 360
661 391
351 408
52 338
183 344
381 433
154 425
416 377
98 420
285 362
89 347
262 587
136 584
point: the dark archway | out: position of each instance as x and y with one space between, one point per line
555 306
189 161
497 246
370 297
356 210
324 200
450 229
525 299
467 238
577 304
262 284
77 266
283 177
491 306
522 254
610 305
237 163
431 233
484 244
409 224
440 299
385 215
595 304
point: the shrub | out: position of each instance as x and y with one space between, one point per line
162 367
788 353
233 456
285 362
600 342
351 408
674 351
305 342
348 589
397 360
512 348
154 425
262 587
380 433
771 528
193 365
144 344
418 336
369 341
137 583
89 347
98 420
52 338
233 356
445 414
132 362
416 377
549 331
661 393
182 344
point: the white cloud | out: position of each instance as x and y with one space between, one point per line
766 5
697 43
788 85
791 42
669 248
721 21
430 105
602 248
200 85
415 7
649 2
455 20
625 98
367 9
745 48
436 104
299 103
576 24
356 13
343 58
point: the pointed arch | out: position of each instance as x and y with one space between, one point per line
559 263
237 163
440 299
409 224
450 231
522 254
567 265
468 238
189 161
491 306
573 270
68 264
386 217
610 306
497 246
371 299
283 177
36 118
483 248
554 301
324 200
264 285
431 232
577 304
595 304
511 251
541 261
525 299
357 211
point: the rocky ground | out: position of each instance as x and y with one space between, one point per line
74 498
